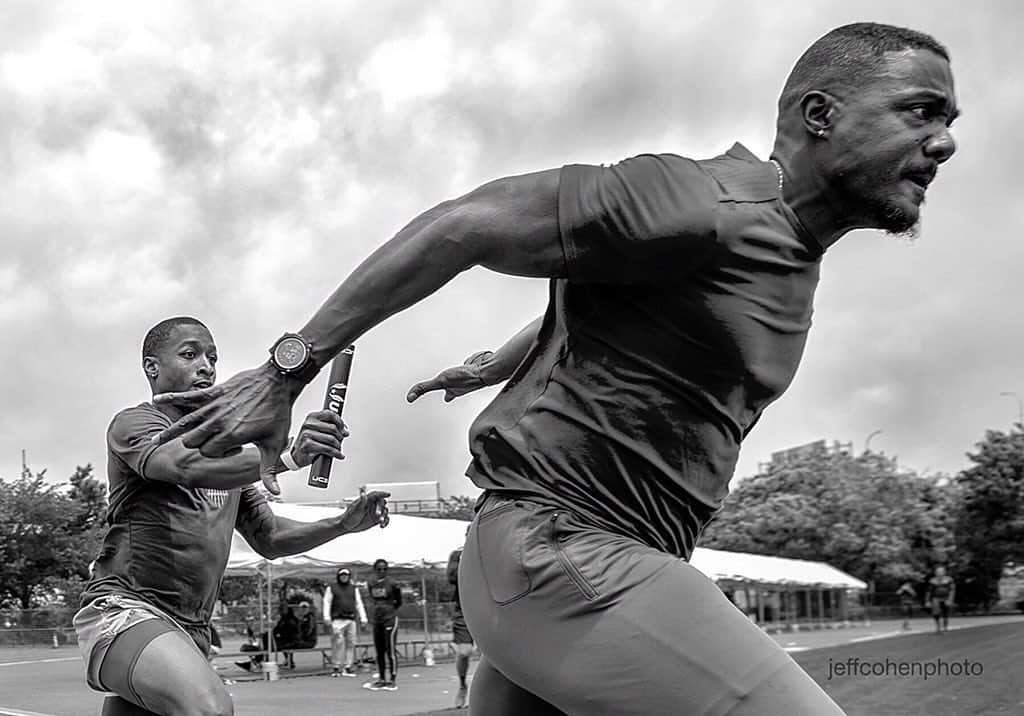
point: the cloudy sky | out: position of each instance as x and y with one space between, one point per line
234 161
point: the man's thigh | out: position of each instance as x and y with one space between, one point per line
348 631
595 623
160 669
495 695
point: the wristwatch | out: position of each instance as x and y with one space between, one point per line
292 355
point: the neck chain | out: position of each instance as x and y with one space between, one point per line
778 169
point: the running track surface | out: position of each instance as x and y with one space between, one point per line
48 682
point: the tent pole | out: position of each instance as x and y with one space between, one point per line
259 602
428 649
271 646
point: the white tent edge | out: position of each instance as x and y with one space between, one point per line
418 542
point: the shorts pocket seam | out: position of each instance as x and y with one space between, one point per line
569 568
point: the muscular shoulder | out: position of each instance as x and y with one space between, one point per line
143 417
643 198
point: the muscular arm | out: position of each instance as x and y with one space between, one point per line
273 536
175 463
480 369
501 364
509 225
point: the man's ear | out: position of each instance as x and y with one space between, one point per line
818 112
151 366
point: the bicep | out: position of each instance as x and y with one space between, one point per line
511 225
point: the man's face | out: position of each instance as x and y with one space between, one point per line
890 138
344 577
187 360
940 571
381 570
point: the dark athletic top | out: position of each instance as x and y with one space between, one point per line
684 314
386 598
940 588
166 544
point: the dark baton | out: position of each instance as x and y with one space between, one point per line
337 387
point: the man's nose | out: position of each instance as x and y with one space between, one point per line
941 146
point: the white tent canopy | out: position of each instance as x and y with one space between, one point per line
417 541
406 542
740 566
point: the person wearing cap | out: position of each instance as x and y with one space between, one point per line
342 605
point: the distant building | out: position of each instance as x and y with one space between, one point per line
407 498
801 452
410 498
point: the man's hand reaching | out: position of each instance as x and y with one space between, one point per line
455 381
252 407
368 510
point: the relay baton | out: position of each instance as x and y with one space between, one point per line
337 386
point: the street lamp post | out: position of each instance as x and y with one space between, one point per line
867 442
1020 404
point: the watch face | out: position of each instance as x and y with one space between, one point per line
290 353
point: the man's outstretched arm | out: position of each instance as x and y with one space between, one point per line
272 536
482 368
509 225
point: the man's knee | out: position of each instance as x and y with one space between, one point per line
116 706
215 702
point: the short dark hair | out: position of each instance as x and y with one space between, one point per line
380 561
156 337
850 56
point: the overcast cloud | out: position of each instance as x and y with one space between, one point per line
234 161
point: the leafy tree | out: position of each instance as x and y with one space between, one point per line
860 514
457 507
48 536
990 519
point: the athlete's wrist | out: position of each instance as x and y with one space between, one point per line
288 460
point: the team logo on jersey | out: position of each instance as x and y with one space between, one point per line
216 497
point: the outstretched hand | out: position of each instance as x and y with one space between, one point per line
455 381
251 407
368 510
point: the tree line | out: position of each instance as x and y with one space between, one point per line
859 513
883 525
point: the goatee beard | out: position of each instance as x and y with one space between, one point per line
895 222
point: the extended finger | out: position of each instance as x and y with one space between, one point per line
333 426
325 419
183 426
311 441
424 387
221 440
189 398
322 447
